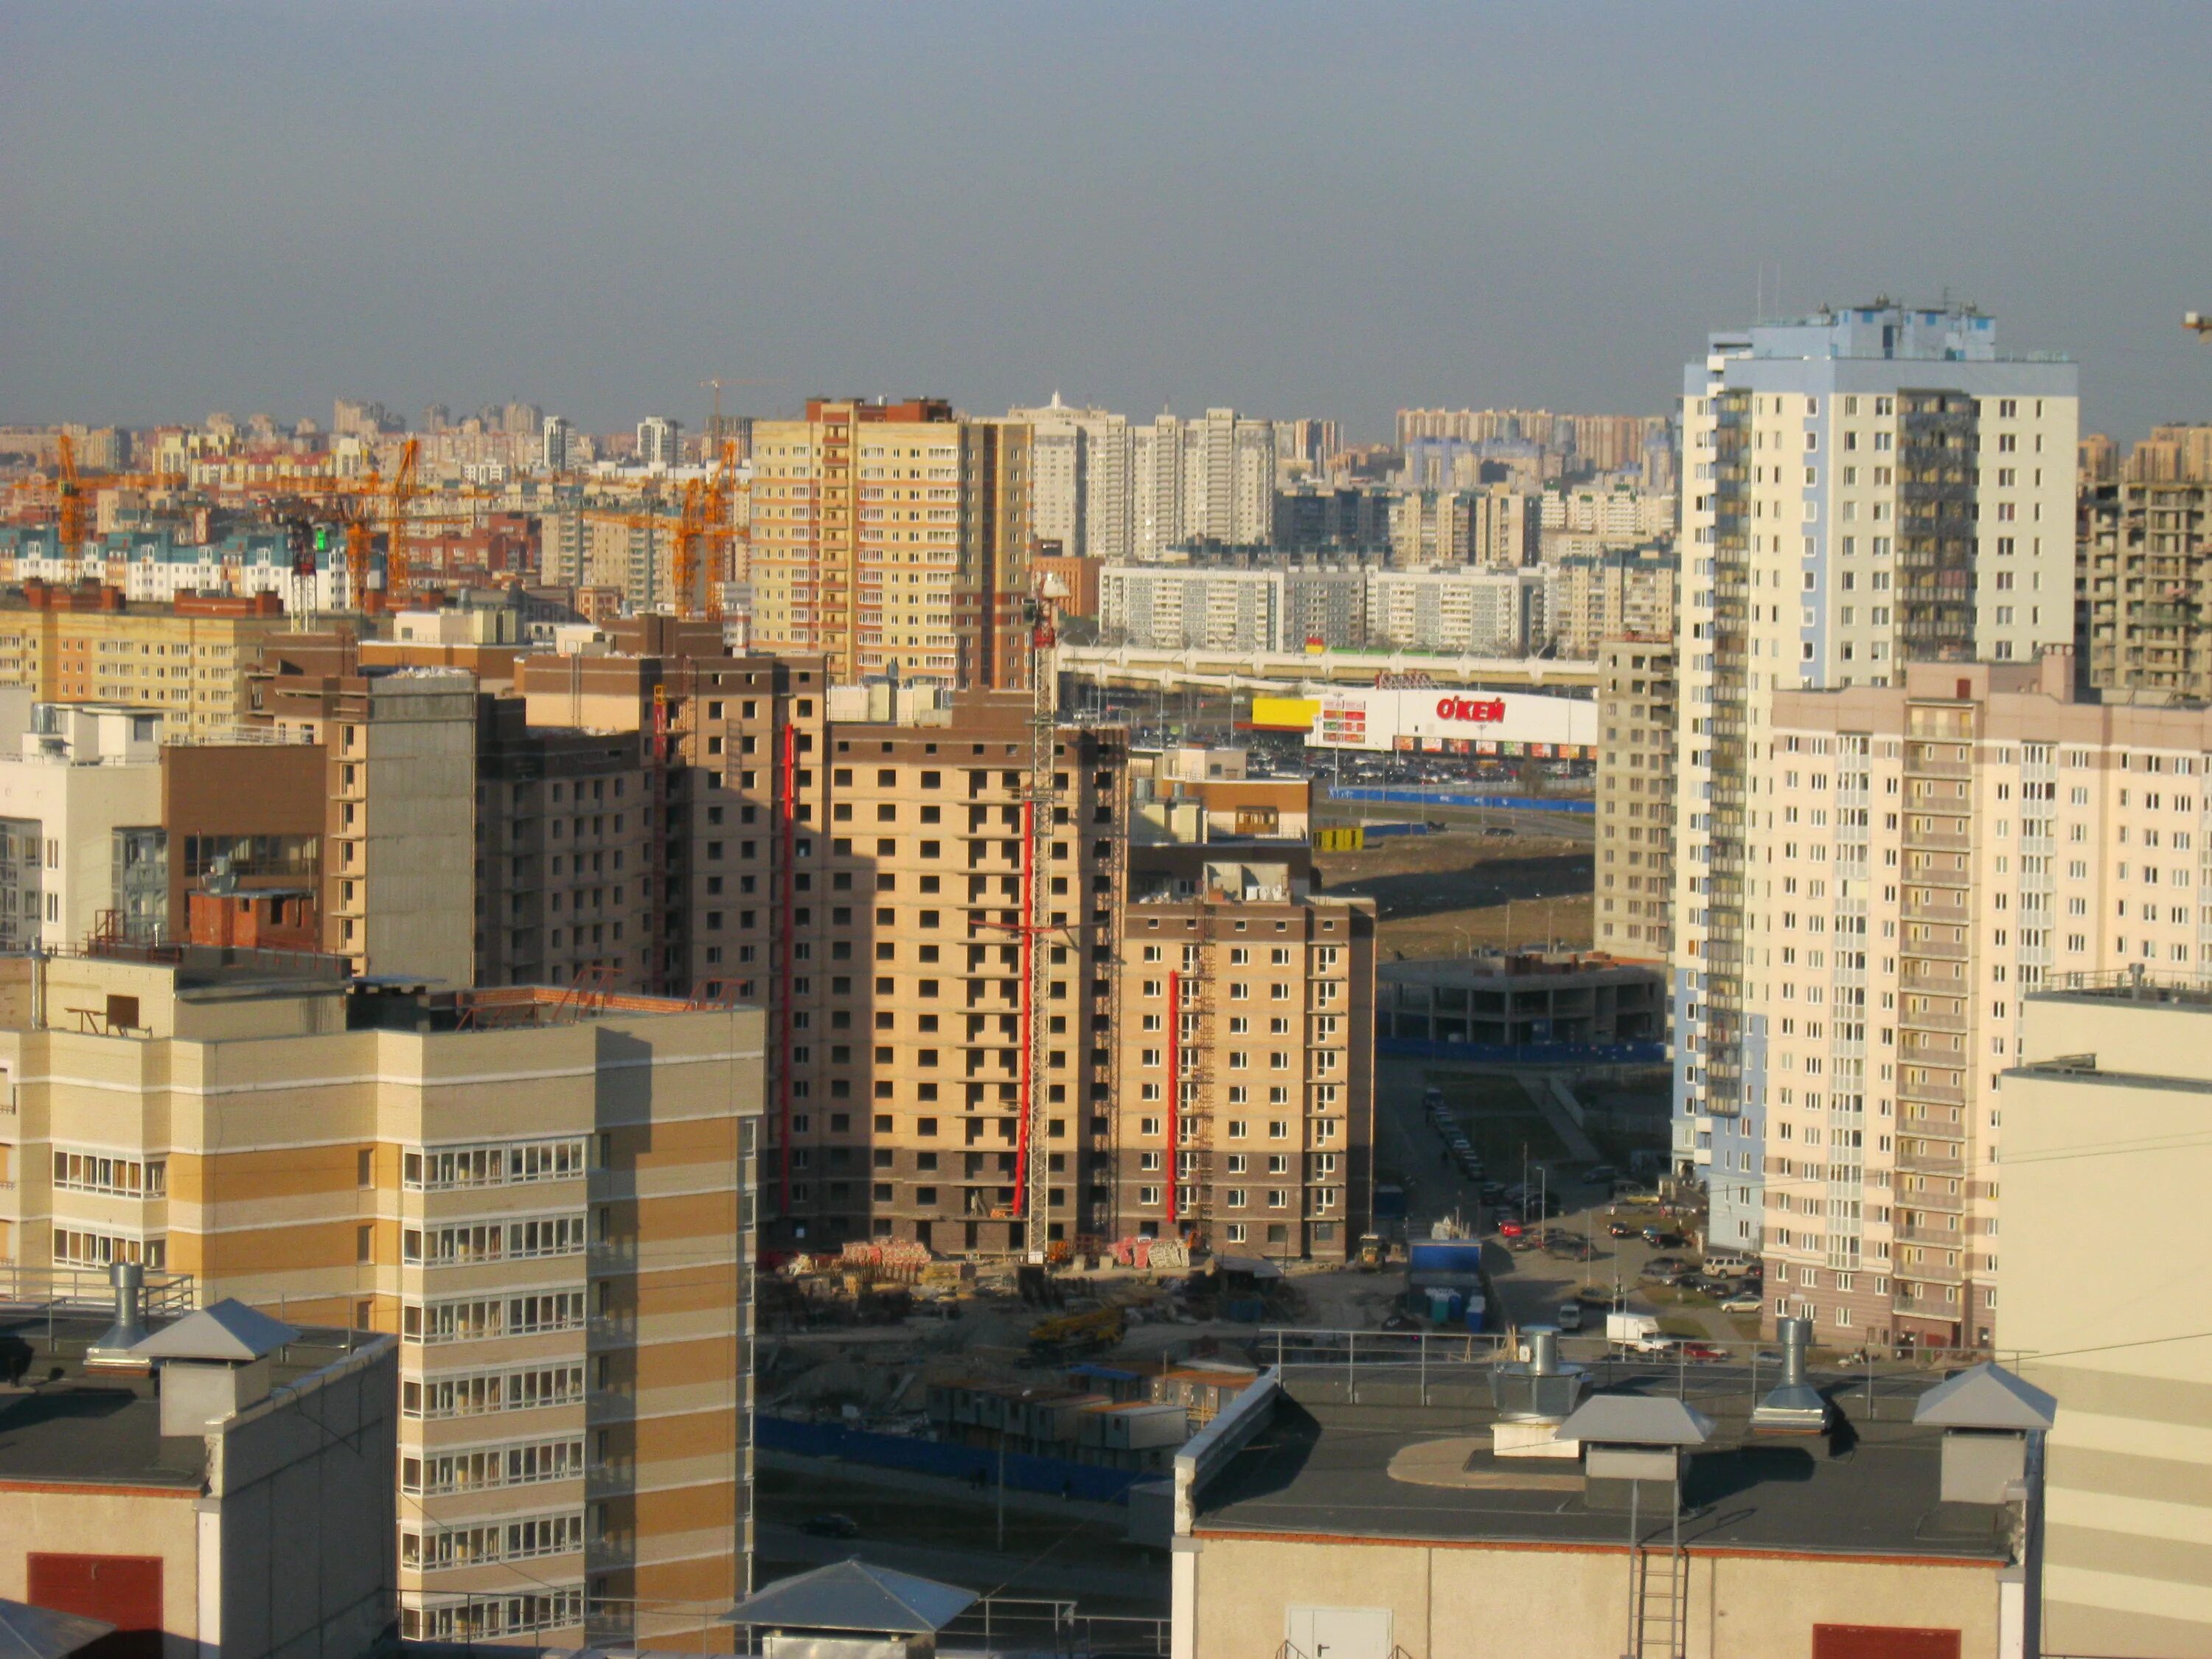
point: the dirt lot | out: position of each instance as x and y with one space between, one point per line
1439 896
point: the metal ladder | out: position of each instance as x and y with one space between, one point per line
1662 1590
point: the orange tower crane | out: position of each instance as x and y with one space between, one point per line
70 489
399 579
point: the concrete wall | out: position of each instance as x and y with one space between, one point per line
1492 1602
2128 1557
116 1520
304 1485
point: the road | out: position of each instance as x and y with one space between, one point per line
1532 1286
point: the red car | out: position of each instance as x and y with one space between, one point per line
1509 1228
1702 1351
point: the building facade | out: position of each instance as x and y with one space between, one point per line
1860 488
547 1199
2145 586
2104 1112
1636 797
894 537
1243 1112
1943 849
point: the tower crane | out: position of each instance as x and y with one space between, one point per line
398 581
70 490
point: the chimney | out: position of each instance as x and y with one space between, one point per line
1988 1416
130 1327
1795 1407
1533 1396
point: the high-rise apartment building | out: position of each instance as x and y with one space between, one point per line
190 658
850 858
547 1197
2144 583
1635 797
1245 1019
399 843
1941 849
1079 481
554 443
659 441
1208 479
1859 488
894 538
1503 529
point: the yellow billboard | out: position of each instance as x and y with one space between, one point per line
1284 713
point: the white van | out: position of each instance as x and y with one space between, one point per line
1571 1316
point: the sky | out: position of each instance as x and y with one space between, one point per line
1294 210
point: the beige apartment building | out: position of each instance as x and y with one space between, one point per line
2144 583
1244 1104
1636 803
190 659
1940 850
894 537
546 1196
2105 1115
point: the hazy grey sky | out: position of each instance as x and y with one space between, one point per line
1294 208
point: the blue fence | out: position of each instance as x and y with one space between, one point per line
1525 1054
1452 798
1054 1475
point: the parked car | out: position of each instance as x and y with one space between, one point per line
1601 1175
1509 1227
1702 1351
1432 1098
1660 1239
1493 1190
1743 1302
1660 1266
830 1526
1623 1229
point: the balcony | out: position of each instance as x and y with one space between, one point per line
1932 1161
1930 1019
1940 1094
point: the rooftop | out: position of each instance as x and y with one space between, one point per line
61 1422
1380 1464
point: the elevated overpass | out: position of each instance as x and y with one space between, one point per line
1288 672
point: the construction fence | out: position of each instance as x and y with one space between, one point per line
1054 1476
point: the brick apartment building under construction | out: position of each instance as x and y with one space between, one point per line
854 860
656 816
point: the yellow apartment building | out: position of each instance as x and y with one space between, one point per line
188 658
894 537
547 1196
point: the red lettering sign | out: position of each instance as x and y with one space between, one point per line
1468 709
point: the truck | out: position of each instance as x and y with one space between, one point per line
1639 1333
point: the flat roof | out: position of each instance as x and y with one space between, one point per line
1323 1465
103 1427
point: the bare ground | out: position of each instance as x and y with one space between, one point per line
1442 895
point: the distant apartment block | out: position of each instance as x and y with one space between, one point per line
190 659
1277 606
1636 797
2143 578
894 537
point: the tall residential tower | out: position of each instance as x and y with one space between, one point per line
1860 487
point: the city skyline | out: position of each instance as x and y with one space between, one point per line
1019 203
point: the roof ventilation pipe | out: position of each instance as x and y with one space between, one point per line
1795 1407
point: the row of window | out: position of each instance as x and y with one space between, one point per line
90 1172
76 1247
503 1165
482 1392
491 1541
484 1319
464 1243
482 1468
